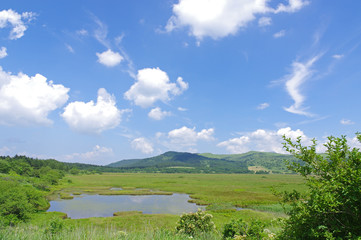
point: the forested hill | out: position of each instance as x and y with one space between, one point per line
259 161
182 162
28 166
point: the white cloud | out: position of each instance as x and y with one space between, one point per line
279 34
263 140
182 109
109 58
152 84
188 137
220 18
28 100
300 73
82 32
101 32
293 6
96 155
143 145
346 122
264 21
354 142
15 21
158 114
3 52
93 117
338 56
263 106
70 49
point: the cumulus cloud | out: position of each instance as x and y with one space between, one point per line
93 117
3 52
14 20
158 114
346 122
153 84
109 58
263 140
220 18
143 145
188 137
96 155
264 21
263 106
279 34
28 100
301 72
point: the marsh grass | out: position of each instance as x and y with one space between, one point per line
23 232
240 190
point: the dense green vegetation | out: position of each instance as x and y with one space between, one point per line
332 209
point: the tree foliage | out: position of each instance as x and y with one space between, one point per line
332 207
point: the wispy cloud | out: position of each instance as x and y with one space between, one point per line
263 106
101 32
338 56
346 122
279 34
70 48
301 72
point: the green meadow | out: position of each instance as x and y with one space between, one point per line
220 192
240 190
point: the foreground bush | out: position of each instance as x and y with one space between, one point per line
195 223
332 209
239 229
18 201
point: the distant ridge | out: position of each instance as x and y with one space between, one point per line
208 163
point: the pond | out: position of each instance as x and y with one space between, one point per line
85 206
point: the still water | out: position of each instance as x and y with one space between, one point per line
85 206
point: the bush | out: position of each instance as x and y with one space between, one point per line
56 225
332 209
239 229
195 223
18 201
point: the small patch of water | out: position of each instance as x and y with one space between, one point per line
86 206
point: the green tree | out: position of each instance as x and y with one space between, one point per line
332 207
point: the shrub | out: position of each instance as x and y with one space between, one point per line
56 225
239 229
18 201
195 223
332 209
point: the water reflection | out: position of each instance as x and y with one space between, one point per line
86 206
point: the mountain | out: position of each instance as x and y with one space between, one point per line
182 162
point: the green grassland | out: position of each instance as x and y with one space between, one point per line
241 190
220 192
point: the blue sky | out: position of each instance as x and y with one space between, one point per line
84 81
